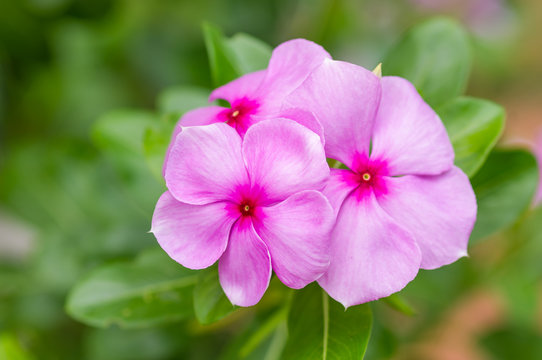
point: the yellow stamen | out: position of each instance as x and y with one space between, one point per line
235 113
366 176
246 208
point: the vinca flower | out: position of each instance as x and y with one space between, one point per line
259 95
251 203
401 205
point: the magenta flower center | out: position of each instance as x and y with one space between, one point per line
240 112
246 208
369 175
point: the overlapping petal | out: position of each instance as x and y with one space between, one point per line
408 134
344 97
245 268
200 116
205 165
296 232
283 157
193 235
290 64
305 118
439 211
371 255
338 186
245 86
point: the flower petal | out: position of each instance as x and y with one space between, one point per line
305 118
439 211
408 134
371 256
200 116
245 267
205 165
282 158
245 86
296 232
339 185
290 64
193 235
344 97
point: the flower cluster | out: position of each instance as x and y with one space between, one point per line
249 185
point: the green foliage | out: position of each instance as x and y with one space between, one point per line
64 64
435 56
504 189
11 349
264 338
231 58
474 126
513 343
399 303
320 328
151 290
180 99
210 302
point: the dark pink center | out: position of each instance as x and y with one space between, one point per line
369 175
246 208
239 113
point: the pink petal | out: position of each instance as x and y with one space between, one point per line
439 211
339 185
296 232
193 235
245 267
371 256
408 134
200 116
344 97
305 118
205 165
245 86
282 158
290 64
302 117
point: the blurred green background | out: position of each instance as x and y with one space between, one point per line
67 207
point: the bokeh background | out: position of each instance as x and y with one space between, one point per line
66 208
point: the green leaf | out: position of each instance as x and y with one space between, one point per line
513 342
504 187
474 126
263 339
152 289
230 58
122 130
11 348
435 56
320 328
210 302
397 302
120 135
134 344
252 54
224 67
156 141
180 99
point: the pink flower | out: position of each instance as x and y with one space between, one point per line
252 203
402 205
259 95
